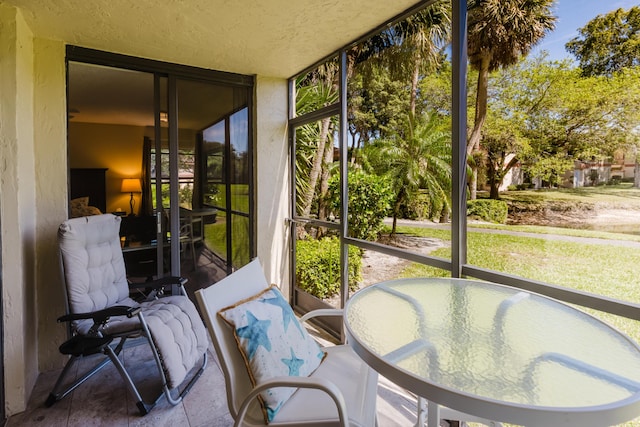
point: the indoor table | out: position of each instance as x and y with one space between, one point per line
496 352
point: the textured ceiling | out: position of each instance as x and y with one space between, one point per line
275 38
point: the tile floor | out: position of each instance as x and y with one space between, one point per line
104 401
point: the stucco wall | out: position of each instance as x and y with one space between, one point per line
17 204
50 136
272 178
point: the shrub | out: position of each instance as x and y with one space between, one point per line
488 209
615 180
419 207
318 266
370 199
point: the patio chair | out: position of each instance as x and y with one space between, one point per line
342 389
101 313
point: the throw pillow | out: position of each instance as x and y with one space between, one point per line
79 202
273 343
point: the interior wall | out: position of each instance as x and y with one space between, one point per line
19 346
272 179
115 147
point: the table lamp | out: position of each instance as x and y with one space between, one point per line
131 185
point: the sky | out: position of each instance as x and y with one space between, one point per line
572 15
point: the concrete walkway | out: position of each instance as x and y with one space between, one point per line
556 237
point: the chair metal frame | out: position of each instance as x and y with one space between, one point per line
96 341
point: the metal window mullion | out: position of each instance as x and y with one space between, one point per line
157 143
459 137
292 191
315 116
344 187
174 202
607 304
229 172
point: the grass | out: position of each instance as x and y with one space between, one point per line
621 195
600 269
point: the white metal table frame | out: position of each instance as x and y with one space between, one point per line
363 311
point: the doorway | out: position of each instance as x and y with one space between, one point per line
169 149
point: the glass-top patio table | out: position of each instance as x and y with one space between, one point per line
496 352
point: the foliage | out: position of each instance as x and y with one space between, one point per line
500 32
551 169
314 141
377 104
608 43
504 145
545 115
414 159
370 198
420 208
488 209
318 266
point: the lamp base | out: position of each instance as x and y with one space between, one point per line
131 203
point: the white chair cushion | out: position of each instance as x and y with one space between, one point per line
356 381
93 264
178 333
273 343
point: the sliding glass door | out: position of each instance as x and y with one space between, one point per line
181 138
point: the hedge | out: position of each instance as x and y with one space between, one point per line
488 209
318 266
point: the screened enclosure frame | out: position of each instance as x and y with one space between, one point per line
458 265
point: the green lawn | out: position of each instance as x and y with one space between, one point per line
621 195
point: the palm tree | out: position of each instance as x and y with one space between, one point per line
314 147
404 52
417 159
416 44
500 32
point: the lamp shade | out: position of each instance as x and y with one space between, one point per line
131 185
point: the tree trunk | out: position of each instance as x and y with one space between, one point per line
323 212
415 78
495 189
473 144
396 211
444 215
473 182
316 168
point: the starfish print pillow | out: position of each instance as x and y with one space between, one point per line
273 343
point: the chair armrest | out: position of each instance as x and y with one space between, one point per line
322 312
297 382
160 283
102 315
